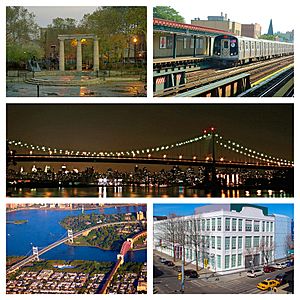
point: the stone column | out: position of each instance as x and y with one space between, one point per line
61 55
79 56
96 55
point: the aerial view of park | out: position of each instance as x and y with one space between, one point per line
76 51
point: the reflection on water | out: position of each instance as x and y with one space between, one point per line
137 191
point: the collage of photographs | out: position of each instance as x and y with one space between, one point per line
109 194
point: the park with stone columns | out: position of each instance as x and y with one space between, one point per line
102 54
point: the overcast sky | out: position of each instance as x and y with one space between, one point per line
45 14
257 11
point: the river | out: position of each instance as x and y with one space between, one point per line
43 229
138 191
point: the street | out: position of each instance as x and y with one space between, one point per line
166 282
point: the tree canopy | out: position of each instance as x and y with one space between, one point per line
167 13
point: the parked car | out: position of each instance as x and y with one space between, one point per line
267 284
177 268
255 272
170 264
163 260
191 273
281 278
280 265
269 269
289 263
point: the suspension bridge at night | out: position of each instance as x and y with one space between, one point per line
208 149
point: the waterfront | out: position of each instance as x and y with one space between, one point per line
141 191
43 228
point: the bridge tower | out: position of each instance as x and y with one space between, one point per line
70 236
131 242
35 251
121 257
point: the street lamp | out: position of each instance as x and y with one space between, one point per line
135 40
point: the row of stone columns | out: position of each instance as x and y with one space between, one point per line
78 55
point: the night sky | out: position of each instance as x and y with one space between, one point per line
267 128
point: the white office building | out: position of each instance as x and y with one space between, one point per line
224 238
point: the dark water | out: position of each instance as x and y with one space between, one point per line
43 229
134 191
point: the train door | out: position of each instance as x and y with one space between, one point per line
225 48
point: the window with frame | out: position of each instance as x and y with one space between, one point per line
227 243
213 242
233 242
213 224
208 224
267 227
239 260
227 224
240 224
256 226
219 224
219 261
233 260
227 260
271 226
233 224
256 241
203 224
248 225
219 243
263 226
240 242
248 242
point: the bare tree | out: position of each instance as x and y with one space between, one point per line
266 249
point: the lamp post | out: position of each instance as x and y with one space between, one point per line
135 40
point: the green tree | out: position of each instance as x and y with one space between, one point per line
21 36
20 25
267 37
167 13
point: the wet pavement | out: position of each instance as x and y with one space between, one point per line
105 89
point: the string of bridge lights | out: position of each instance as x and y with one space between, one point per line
132 152
250 153
226 144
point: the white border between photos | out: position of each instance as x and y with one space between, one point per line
14 100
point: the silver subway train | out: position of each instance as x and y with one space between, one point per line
233 50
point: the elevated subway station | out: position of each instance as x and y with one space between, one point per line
179 48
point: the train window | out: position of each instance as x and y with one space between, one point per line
184 43
226 44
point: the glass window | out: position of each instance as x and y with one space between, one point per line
240 242
271 226
233 225
227 224
248 242
219 224
226 44
233 260
203 224
213 224
227 243
227 259
233 242
219 243
213 242
248 225
263 226
208 224
219 261
239 260
256 226
267 227
240 224
256 241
